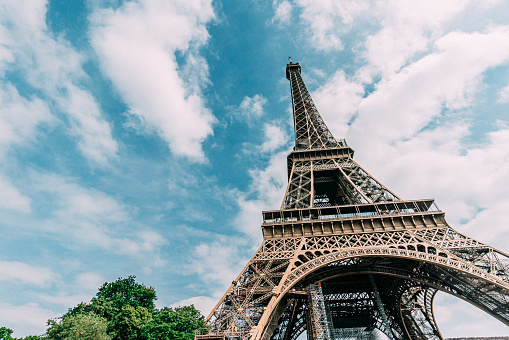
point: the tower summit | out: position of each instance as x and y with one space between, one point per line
321 170
310 129
346 258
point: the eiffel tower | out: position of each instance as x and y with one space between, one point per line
346 258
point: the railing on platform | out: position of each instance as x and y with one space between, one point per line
349 211
205 334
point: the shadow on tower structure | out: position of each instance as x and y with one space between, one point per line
346 258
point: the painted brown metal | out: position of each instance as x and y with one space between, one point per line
380 259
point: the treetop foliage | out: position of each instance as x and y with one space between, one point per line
121 310
5 334
128 292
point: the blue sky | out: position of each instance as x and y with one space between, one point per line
145 137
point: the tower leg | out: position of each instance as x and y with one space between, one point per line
416 312
293 319
379 305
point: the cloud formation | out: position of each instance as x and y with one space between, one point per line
12 199
218 262
29 318
329 20
19 118
90 217
282 12
137 45
26 273
251 108
54 69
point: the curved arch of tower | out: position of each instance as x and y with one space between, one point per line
345 257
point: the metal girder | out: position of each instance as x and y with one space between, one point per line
346 257
332 182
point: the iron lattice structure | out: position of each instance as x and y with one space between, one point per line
345 257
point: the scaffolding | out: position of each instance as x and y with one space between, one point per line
321 326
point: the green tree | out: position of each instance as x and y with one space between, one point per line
88 326
125 304
128 292
129 322
174 324
121 310
5 334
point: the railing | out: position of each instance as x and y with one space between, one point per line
342 142
349 211
205 333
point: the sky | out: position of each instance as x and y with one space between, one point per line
145 137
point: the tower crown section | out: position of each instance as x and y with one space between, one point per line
310 129
292 66
321 169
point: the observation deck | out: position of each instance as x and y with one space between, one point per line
349 219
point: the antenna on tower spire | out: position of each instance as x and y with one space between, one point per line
290 58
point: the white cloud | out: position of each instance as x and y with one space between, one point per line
19 117
282 12
401 30
490 224
53 67
26 319
64 300
86 204
136 45
504 95
266 192
11 198
91 217
449 77
218 262
95 140
454 317
251 108
329 20
26 273
249 217
204 304
6 55
396 116
275 137
407 28
274 133
151 240
338 100
89 281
